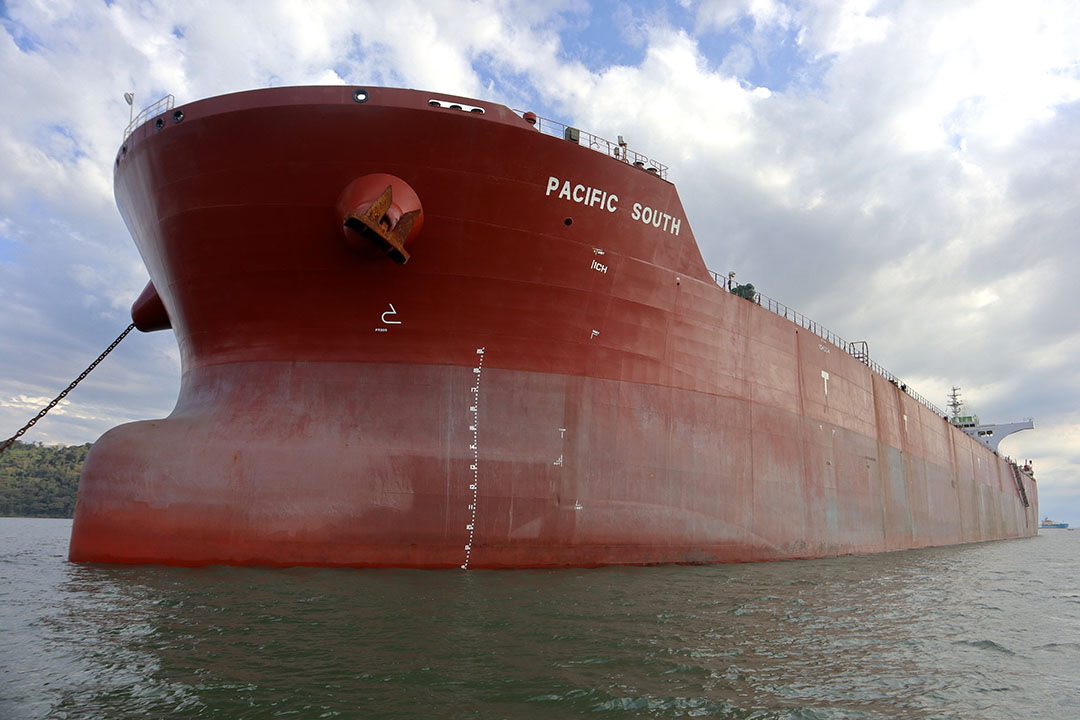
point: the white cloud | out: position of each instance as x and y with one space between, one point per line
839 27
722 14
672 101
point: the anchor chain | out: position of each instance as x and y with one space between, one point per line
11 440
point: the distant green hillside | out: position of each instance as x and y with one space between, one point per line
40 481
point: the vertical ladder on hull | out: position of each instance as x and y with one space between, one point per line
1019 484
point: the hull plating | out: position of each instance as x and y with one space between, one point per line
548 381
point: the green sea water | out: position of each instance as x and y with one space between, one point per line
978 631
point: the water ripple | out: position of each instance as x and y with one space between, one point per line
937 633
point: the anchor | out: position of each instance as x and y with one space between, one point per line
378 227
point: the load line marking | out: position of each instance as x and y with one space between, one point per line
474 466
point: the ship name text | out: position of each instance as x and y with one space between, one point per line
583 194
604 200
657 219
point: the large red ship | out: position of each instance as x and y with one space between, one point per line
419 330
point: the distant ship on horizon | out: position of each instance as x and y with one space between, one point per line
1048 524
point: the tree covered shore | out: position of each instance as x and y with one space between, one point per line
40 480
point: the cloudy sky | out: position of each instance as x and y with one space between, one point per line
902 172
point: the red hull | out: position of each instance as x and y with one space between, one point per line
525 391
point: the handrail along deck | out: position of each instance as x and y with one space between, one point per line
855 349
618 151
161 107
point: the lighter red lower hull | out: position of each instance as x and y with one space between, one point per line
373 465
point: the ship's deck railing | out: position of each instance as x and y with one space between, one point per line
619 151
161 107
855 349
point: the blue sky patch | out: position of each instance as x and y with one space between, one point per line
59 142
604 37
24 38
7 248
769 57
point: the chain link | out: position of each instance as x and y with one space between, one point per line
11 440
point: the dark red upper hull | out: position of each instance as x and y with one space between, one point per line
553 378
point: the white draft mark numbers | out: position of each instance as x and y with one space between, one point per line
474 466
